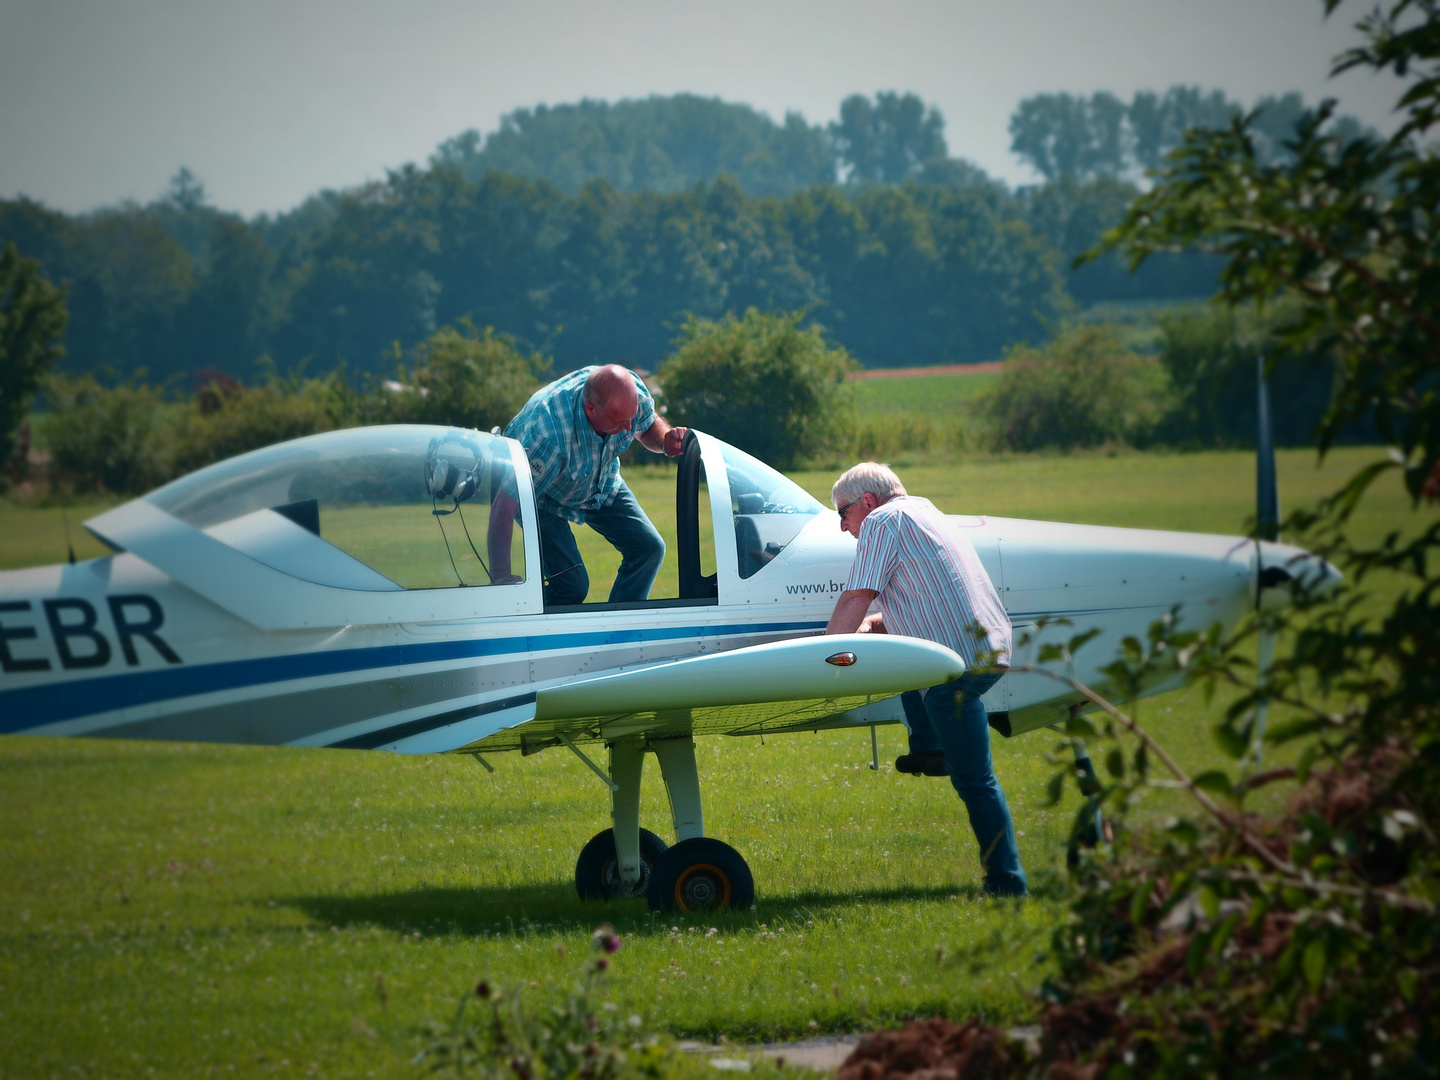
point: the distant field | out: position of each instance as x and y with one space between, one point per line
929 394
172 909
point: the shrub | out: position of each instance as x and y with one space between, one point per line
1083 389
227 418
763 383
464 378
1210 356
105 439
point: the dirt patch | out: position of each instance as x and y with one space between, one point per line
933 1049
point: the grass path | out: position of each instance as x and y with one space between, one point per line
173 909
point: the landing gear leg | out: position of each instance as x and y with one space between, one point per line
627 763
699 873
682 783
616 863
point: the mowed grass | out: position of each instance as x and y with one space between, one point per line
182 908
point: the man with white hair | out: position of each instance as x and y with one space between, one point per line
928 582
574 431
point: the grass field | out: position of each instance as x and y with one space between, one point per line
930 394
182 910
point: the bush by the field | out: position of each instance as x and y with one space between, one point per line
1083 389
106 438
465 377
763 383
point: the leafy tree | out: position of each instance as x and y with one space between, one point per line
1158 122
1209 354
1083 138
1065 135
462 377
763 383
1074 217
662 144
889 140
32 320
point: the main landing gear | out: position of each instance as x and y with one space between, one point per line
697 873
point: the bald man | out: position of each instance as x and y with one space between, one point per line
574 431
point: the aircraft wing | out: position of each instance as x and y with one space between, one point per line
792 685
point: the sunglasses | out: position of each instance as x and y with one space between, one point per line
843 510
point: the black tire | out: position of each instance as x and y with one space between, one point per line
700 874
596 876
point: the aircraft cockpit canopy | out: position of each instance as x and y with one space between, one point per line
375 509
769 509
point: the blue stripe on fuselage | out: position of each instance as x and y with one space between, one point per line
33 706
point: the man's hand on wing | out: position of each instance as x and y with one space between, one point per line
850 611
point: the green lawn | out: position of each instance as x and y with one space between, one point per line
173 909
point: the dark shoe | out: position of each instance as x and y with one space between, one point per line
924 763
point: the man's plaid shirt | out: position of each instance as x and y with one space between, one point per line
575 468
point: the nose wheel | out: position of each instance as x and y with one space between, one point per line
700 874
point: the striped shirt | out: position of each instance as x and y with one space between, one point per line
575 467
929 580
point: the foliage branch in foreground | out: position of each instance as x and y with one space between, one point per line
1297 940
1238 941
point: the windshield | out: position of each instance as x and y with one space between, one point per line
769 509
377 509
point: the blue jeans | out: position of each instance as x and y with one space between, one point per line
952 718
624 524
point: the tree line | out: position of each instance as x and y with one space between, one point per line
590 232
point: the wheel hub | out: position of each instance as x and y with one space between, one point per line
701 888
615 887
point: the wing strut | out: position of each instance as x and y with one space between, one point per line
604 778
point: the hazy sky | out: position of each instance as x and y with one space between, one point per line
268 101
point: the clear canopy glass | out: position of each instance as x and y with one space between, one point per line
376 509
769 509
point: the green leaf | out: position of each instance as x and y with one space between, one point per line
1216 782
1223 932
1080 639
1209 902
1307 760
1054 788
1077 727
1232 743
1140 902
1115 763
1408 981
1313 963
1293 729
1185 832
1195 955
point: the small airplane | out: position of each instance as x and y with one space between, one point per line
319 593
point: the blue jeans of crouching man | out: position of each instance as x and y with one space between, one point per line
952 718
624 524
